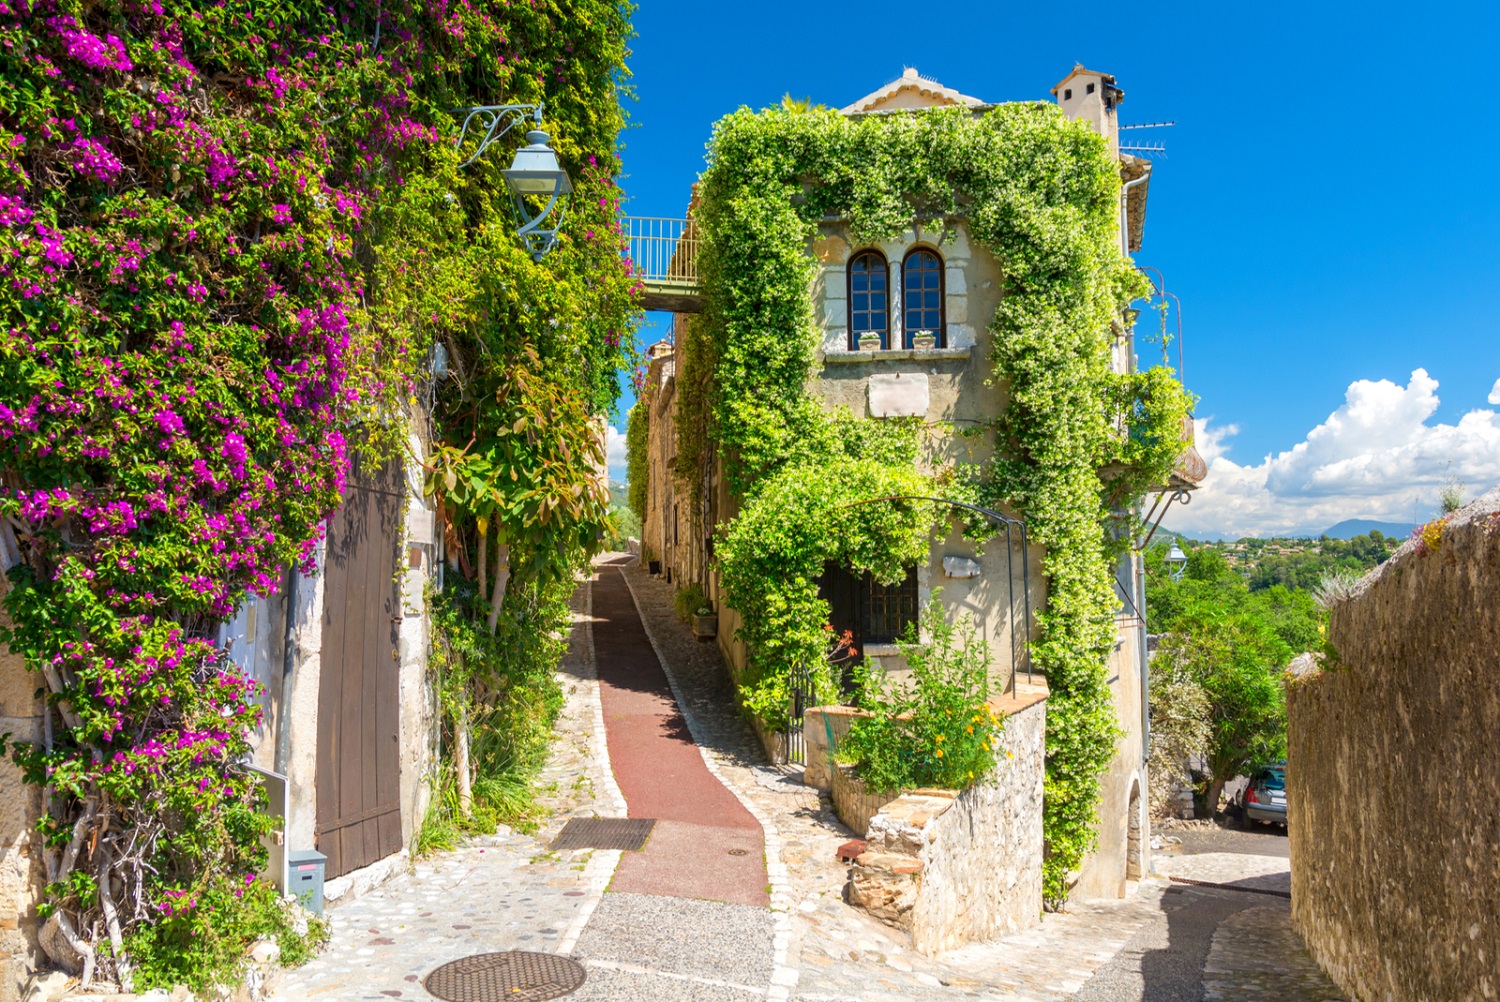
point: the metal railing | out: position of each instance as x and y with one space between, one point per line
664 250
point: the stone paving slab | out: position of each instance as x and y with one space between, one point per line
1258 957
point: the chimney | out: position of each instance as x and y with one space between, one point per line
1093 97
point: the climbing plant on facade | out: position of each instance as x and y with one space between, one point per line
229 234
1076 444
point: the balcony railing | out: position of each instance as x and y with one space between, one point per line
665 252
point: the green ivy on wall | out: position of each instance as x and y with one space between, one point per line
1076 445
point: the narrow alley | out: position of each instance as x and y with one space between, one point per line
737 895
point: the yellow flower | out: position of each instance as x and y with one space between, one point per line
968 730
939 753
941 738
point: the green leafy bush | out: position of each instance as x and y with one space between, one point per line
688 600
201 941
935 729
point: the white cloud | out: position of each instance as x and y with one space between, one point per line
1494 396
1375 457
614 453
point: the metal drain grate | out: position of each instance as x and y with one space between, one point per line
604 833
515 976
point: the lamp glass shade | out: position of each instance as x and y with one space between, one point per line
536 171
1175 556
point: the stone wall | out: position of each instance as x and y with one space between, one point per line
1392 779
959 868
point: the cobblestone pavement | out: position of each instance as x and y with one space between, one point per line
503 892
1166 941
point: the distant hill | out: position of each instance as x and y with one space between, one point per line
618 494
1351 527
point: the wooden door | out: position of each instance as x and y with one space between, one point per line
359 765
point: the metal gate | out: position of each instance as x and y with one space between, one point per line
800 684
359 765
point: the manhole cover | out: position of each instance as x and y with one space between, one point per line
739 852
515 976
604 833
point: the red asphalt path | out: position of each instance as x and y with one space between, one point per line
662 774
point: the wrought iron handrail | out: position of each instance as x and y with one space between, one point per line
665 251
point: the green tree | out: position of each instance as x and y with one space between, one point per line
1236 661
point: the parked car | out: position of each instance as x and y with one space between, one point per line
1264 797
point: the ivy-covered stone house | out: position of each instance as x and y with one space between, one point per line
927 294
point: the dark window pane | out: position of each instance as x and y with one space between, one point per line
877 300
877 279
930 300
861 301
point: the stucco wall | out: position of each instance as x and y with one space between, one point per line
1392 778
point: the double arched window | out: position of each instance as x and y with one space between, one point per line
869 298
922 296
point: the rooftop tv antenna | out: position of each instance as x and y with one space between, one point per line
1146 148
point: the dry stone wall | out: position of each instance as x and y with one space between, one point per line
955 868
1393 778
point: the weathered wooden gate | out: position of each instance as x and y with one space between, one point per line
359 765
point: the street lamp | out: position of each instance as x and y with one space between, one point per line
1176 561
536 174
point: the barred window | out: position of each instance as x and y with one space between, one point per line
922 294
874 613
869 297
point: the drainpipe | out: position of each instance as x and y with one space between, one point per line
1124 213
1140 595
288 662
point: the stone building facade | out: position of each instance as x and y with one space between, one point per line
939 370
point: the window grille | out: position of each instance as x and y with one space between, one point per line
869 297
922 295
873 612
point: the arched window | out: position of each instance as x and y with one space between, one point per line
922 292
869 297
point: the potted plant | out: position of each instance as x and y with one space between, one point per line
869 341
705 623
923 340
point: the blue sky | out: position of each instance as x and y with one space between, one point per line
1327 212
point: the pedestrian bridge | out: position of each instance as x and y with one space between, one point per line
665 254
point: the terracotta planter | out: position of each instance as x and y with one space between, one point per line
869 343
705 627
924 341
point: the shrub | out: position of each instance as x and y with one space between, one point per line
688 600
935 729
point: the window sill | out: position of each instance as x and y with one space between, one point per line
895 355
881 651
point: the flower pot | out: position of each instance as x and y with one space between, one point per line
653 567
924 340
705 627
869 342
